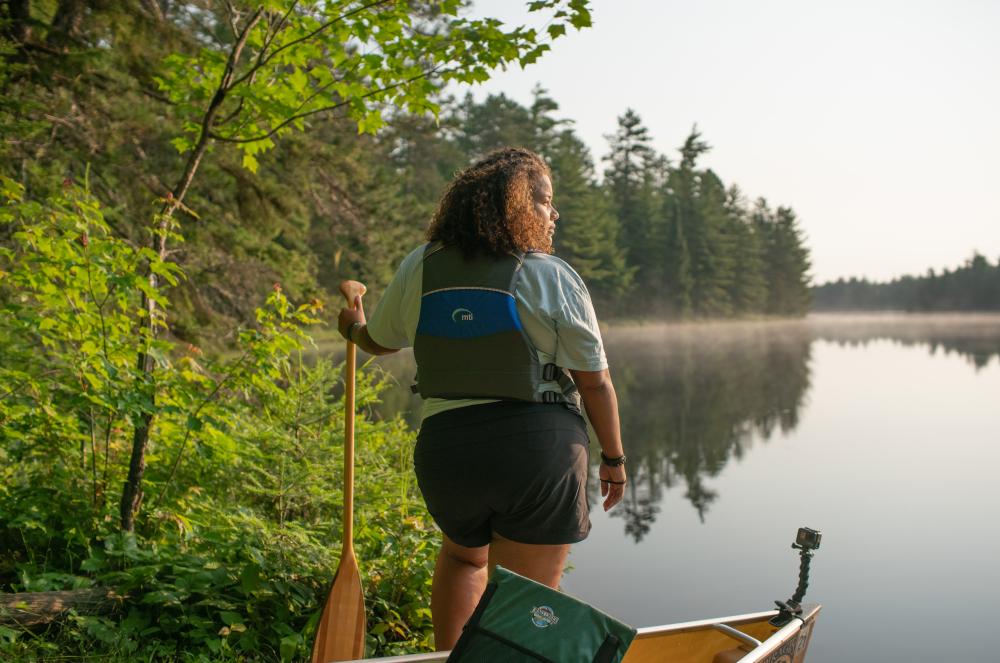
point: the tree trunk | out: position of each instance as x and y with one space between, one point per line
132 491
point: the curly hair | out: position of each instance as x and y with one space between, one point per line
488 207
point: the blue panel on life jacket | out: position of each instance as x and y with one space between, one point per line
467 313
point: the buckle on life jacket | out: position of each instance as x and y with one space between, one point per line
553 397
550 372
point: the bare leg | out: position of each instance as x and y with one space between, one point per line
461 573
542 563
459 581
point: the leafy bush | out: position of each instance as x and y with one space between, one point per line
239 531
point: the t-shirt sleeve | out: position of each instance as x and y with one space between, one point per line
578 344
387 325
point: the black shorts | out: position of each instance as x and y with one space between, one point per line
514 468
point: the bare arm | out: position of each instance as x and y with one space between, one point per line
364 341
601 404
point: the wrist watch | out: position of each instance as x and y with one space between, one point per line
613 462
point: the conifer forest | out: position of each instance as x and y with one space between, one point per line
974 286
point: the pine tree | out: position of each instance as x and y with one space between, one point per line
748 290
677 281
498 121
685 220
547 129
716 275
632 180
786 259
587 230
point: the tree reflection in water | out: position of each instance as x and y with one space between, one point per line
693 396
975 337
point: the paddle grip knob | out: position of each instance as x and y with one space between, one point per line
352 289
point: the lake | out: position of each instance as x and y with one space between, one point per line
882 431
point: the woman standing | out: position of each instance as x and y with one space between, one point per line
507 346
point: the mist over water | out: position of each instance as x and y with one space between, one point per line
976 337
883 431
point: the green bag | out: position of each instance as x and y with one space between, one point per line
521 620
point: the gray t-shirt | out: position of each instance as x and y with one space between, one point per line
553 303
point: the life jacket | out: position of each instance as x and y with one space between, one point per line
470 342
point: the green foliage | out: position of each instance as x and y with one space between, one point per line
129 86
786 260
748 291
695 246
225 83
652 238
232 556
587 234
70 332
633 179
310 58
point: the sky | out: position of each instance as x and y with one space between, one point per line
878 122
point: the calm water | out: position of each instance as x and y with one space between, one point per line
881 431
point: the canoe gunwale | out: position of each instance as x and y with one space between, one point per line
782 635
682 627
759 653
432 657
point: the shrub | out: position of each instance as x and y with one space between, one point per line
239 532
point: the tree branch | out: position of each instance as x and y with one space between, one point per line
132 490
324 109
225 84
263 61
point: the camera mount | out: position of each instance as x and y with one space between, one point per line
806 542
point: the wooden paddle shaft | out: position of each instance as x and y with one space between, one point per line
348 540
351 291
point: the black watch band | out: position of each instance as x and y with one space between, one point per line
613 462
350 330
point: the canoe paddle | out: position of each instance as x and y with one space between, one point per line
341 632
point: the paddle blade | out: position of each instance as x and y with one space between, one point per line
341 632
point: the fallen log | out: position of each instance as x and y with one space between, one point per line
34 608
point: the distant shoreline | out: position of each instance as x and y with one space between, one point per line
861 316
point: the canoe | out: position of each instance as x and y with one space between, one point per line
747 638
775 636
